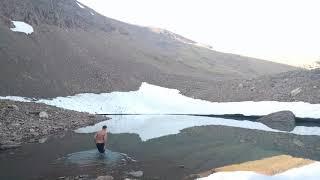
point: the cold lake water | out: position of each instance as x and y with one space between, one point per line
163 147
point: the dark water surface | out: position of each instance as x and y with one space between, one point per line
191 151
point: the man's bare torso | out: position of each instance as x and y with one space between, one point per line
101 136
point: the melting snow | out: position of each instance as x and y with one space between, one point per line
308 172
151 99
22 27
16 98
201 45
80 5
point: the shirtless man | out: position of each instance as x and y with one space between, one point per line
101 138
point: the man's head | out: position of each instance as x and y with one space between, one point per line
104 127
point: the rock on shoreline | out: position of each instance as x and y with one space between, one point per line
25 122
283 120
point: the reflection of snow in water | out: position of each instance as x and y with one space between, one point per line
93 157
308 172
151 99
153 126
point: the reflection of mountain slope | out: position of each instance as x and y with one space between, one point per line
74 50
208 147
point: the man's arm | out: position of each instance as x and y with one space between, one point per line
106 137
95 137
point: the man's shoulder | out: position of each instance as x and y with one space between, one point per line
101 132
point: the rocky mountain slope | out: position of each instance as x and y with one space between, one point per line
74 49
300 85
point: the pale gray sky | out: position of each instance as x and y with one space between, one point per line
286 31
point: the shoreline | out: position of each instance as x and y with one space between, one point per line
29 122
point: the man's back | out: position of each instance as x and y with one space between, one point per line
101 136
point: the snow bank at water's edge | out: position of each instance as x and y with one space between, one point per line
151 99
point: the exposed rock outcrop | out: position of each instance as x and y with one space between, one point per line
295 92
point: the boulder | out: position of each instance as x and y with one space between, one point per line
43 115
43 140
13 107
9 146
136 174
295 92
104 178
283 120
192 177
15 124
298 142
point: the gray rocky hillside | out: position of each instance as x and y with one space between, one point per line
74 50
300 85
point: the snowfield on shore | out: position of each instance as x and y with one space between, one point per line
151 99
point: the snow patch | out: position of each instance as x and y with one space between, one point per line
309 172
201 45
15 98
22 27
80 5
151 99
